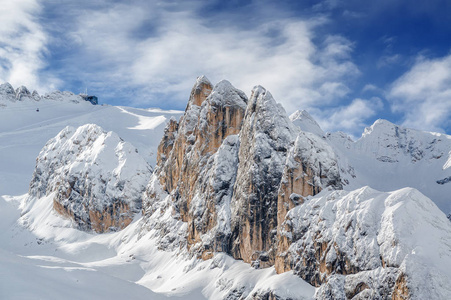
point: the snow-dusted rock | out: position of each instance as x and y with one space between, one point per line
265 138
22 93
389 157
96 178
389 142
196 164
220 168
7 92
63 96
311 166
305 122
371 244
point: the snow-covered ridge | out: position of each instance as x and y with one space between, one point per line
390 157
306 122
389 243
9 94
94 176
390 143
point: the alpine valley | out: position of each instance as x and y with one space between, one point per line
230 199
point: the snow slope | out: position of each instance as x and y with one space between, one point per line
24 131
378 235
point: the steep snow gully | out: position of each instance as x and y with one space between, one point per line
231 199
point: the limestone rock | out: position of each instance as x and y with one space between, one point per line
224 170
311 166
94 178
197 164
265 138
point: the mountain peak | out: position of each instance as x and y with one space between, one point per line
95 178
379 125
306 122
225 92
200 91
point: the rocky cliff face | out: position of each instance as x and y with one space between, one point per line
232 168
265 138
310 166
93 177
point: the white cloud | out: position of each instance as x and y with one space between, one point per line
180 45
423 94
23 44
349 118
371 88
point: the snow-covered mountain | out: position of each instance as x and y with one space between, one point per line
94 177
244 202
24 131
389 157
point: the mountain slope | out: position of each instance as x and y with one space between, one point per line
389 157
24 131
274 169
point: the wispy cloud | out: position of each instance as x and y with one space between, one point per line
156 50
22 45
349 118
423 94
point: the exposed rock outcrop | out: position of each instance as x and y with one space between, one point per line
7 93
197 162
22 93
237 176
311 166
94 178
265 138
222 166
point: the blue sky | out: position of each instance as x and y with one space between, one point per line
346 62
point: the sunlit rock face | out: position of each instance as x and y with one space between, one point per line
93 177
228 169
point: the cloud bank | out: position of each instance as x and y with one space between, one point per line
156 50
23 45
423 94
149 53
